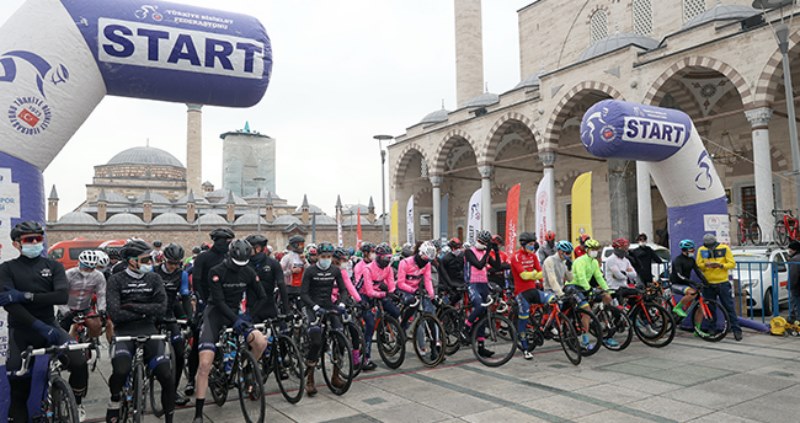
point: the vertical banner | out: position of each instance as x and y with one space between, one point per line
394 230
359 239
339 232
9 209
443 231
474 216
512 217
543 206
410 221
582 205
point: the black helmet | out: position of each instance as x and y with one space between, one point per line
113 253
383 249
134 248
325 248
485 237
221 233
526 237
26 228
295 241
196 250
407 251
204 247
240 251
340 254
257 239
173 252
454 243
367 247
157 243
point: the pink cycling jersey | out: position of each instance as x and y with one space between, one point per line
350 288
409 276
474 274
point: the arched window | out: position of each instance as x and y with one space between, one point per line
599 26
642 17
692 8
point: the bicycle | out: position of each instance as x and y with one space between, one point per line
336 353
154 388
355 334
709 318
576 313
235 366
427 332
452 319
133 404
748 234
282 357
58 401
390 337
787 227
495 328
614 324
651 322
547 321
82 337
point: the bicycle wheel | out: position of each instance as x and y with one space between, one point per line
428 339
781 235
250 386
218 381
711 321
337 362
653 325
591 339
289 369
615 326
499 337
355 335
139 398
755 234
569 339
451 321
391 342
60 405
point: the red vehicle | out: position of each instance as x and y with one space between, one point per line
67 252
113 244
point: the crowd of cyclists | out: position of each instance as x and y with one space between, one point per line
321 306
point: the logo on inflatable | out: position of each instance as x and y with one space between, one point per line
147 10
30 115
652 131
43 69
595 124
704 180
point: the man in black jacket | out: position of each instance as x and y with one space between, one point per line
794 280
451 278
270 273
643 259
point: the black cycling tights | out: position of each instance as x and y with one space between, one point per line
153 356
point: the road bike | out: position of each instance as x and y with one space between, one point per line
708 318
82 336
547 321
235 366
353 330
614 323
787 228
651 322
336 357
134 392
577 314
452 319
494 330
282 357
748 234
427 333
390 337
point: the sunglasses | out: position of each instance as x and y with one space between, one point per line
144 260
31 239
174 263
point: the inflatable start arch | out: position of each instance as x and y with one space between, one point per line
681 167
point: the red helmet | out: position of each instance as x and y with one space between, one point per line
550 236
584 237
620 243
454 243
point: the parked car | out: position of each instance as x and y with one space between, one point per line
67 252
758 270
657 268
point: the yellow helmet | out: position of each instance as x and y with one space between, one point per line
777 326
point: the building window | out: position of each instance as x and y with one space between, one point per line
692 8
642 17
599 26
569 220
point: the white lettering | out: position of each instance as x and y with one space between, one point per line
651 131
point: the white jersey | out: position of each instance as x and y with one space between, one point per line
82 286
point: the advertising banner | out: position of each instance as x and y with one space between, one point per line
474 216
512 217
394 229
543 206
582 205
410 232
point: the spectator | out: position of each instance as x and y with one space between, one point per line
715 260
643 259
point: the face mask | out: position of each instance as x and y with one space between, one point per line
372 256
690 255
530 248
643 244
32 250
480 246
145 268
324 264
458 252
619 253
593 254
221 245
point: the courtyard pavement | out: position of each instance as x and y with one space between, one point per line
756 380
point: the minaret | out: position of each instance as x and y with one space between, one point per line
304 209
269 215
102 206
52 205
231 204
147 207
371 210
194 147
469 50
191 207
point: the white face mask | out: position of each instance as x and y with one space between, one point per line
593 253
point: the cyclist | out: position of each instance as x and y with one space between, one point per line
360 274
157 253
581 248
376 282
113 260
207 259
680 277
526 271
587 275
270 274
179 305
554 269
85 281
293 264
452 275
619 270
30 285
136 300
715 260
340 260
477 260
318 283
311 255
642 258
497 274
549 247
228 282
415 271
102 261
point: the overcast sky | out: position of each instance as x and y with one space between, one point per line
344 71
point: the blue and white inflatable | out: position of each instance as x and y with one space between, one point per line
681 167
59 58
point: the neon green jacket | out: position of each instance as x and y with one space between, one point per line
583 268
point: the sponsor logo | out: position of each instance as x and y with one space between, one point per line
651 131
156 46
151 11
46 273
30 115
704 180
45 72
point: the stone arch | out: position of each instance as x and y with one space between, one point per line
578 92
656 93
405 157
440 157
767 84
496 134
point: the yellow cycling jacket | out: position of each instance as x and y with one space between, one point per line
721 254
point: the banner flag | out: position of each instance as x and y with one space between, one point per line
394 230
474 216
543 223
582 205
410 221
512 217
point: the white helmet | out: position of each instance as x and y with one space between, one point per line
88 258
427 251
102 259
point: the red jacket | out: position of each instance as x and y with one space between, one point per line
579 251
523 261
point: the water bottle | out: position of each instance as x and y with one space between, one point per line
228 360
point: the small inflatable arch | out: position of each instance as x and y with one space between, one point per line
59 58
681 167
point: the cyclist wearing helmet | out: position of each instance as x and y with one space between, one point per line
619 270
311 255
554 269
339 260
527 272
681 276
581 248
476 272
360 270
451 278
497 274
376 283
549 247
586 275
642 258
229 281
157 254
293 264
200 280
179 306
102 260
316 291
270 273
30 285
414 273
85 281
136 300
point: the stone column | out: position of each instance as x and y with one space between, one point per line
548 159
194 147
643 200
436 182
487 221
469 50
620 184
762 169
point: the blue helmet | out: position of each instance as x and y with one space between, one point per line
564 246
687 244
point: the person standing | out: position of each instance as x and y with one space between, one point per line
643 259
715 260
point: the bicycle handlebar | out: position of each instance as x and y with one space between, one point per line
52 350
139 338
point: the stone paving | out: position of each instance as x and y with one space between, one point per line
757 380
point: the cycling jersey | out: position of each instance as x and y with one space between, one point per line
361 274
135 301
350 288
41 276
583 269
475 267
555 274
681 273
618 271
289 262
411 272
270 273
176 285
377 282
318 286
452 266
526 262
202 266
228 283
82 286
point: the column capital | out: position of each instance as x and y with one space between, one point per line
548 157
436 180
759 117
486 171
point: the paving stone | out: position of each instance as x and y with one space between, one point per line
402 414
563 406
670 409
613 394
611 416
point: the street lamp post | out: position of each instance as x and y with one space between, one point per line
258 181
781 32
381 139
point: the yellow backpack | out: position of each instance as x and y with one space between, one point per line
777 326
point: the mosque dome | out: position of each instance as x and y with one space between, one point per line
169 219
483 100
722 12
124 219
435 117
618 41
145 156
77 218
